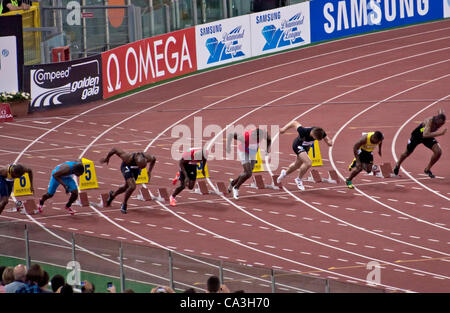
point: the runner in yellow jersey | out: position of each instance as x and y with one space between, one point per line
425 134
363 154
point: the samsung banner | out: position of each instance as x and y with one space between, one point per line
280 29
338 18
223 41
65 83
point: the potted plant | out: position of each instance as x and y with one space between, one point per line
19 102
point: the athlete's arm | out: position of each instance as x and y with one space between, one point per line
358 145
234 136
119 152
379 147
328 141
64 170
269 143
151 160
427 133
294 124
182 163
203 166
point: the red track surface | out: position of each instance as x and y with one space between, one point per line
377 81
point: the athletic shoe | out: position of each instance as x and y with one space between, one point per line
172 201
299 183
396 169
282 175
39 207
235 193
349 184
123 208
352 165
110 198
429 173
70 211
177 176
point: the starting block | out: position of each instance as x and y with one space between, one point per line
315 177
333 177
103 200
221 188
202 188
144 194
83 199
162 196
30 207
258 183
275 183
386 170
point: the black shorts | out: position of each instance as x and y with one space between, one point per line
299 148
191 170
365 157
6 187
414 141
128 172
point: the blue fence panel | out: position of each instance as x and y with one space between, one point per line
339 18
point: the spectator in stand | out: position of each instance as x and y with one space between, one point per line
2 269
190 290
20 273
57 282
162 289
66 289
213 286
112 289
13 5
8 275
43 283
33 277
87 287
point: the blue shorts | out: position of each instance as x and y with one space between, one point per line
6 187
68 180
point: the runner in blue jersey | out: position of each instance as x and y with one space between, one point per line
62 175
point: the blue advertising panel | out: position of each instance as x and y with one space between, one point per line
338 18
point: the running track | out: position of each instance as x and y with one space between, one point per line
388 81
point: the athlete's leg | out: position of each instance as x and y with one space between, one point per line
437 152
246 174
3 203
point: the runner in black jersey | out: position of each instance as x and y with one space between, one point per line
131 166
425 134
301 145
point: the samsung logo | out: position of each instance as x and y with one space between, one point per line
268 17
358 13
211 30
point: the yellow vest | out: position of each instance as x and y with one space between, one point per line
369 146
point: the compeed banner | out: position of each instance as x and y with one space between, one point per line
339 18
280 29
223 41
147 61
65 83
